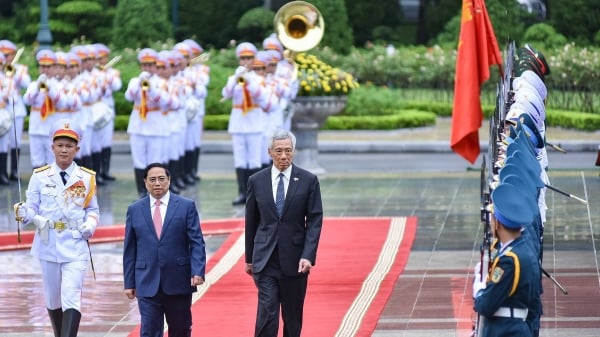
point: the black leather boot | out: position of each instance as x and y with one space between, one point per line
70 323
242 180
139 182
56 316
3 167
96 166
14 155
188 168
106 154
176 175
196 161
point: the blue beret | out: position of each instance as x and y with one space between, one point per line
511 208
531 130
525 186
514 166
524 141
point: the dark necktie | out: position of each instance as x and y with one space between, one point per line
63 177
280 196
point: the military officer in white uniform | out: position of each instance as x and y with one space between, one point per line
61 204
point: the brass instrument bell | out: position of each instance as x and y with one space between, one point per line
299 26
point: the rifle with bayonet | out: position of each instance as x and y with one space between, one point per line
489 169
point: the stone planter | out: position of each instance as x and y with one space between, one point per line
310 113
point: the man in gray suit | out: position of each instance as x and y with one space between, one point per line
282 235
164 256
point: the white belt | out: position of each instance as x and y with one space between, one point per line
511 313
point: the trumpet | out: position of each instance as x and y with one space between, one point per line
145 85
42 86
111 63
200 59
10 69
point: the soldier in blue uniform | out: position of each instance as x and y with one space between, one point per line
509 296
61 204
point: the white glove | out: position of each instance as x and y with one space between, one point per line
20 212
42 78
87 228
478 283
43 226
144 75
41 222
240 70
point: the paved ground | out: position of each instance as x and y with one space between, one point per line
431 297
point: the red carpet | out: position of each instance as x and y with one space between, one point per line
358 262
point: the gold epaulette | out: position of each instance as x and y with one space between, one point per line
40 169
92 172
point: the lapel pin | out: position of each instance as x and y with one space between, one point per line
296 178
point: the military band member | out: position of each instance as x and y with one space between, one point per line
61 204
110 82
166 66
285 73
198 77
270 103
146 129
89 94
246 118
199 74
44 96
20 81
5 122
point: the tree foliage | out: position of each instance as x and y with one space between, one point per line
367 18
508 20
338 33
578 20
138 23
256 24
213 22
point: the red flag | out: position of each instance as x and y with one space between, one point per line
477 50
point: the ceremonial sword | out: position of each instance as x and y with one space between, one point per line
18 218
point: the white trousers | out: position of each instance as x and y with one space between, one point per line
147 150
63 283
19 122
247 148
40 150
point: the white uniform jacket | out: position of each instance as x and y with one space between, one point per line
71 204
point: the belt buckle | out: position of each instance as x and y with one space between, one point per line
60 226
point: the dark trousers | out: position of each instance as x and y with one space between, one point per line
276 291
175 308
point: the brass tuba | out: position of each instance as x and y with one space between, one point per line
299 26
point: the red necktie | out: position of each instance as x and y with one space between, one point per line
156 218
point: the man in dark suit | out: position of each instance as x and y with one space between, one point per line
164 256
282 235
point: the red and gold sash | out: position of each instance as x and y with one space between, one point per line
47 108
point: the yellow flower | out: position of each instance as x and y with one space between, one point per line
318 78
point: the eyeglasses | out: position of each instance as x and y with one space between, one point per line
161 179
279 151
